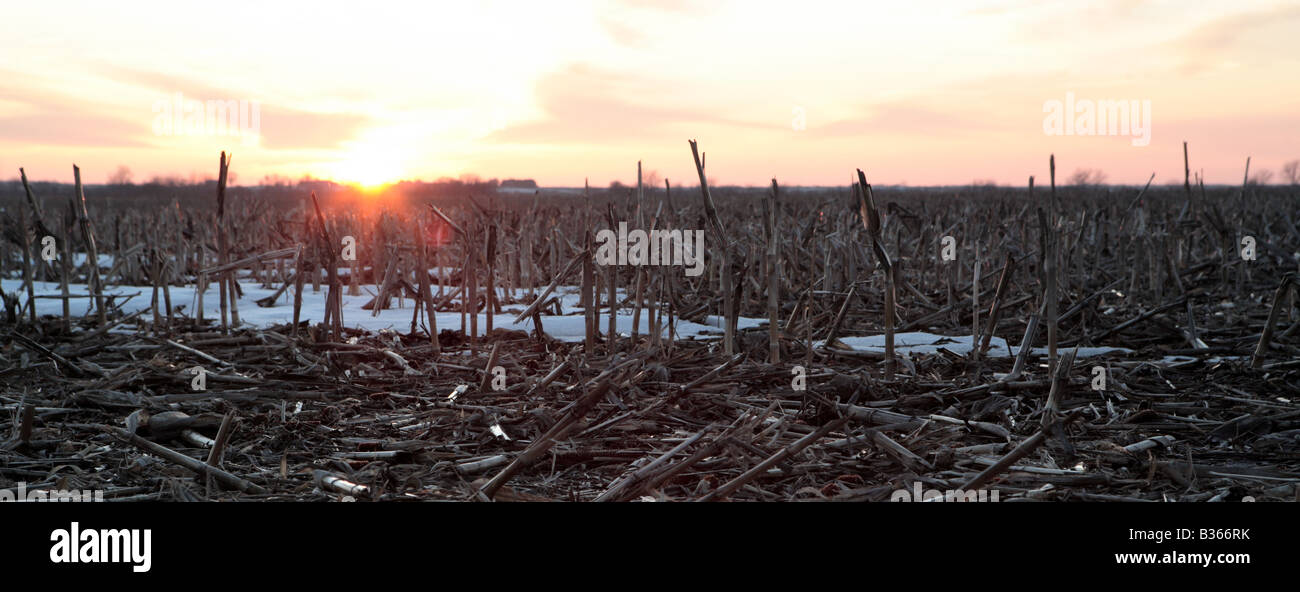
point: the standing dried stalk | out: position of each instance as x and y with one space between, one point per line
656 310
168 266
872 222
729 309
1265 336
201 284
299 278
612 285
27 265
426 294
223 278
975 307
65 261
92 258
637 275
491 363
490 297
588 297
1060 381
471 289
995 311
37 226
773 272
155 276
334 296
1049 271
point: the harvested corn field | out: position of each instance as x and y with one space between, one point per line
860 344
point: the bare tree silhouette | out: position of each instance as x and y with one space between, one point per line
122 176
1291 172
1261 177
1087 177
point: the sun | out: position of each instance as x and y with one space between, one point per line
375 160
370 171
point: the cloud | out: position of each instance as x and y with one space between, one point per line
630 22
57 119
281 127
52 119
622 33
72 129
1206 46
583 104
1223 32
287 129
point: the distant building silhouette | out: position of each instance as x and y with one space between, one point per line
519 184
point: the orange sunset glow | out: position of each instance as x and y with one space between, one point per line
925 93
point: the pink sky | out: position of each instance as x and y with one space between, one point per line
919 93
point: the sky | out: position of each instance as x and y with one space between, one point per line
916 93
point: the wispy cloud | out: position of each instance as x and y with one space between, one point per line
1211 44
584 104
281 127
45 118
72 129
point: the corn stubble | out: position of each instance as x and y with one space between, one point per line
773 406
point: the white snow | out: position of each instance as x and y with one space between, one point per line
928 343
569 327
